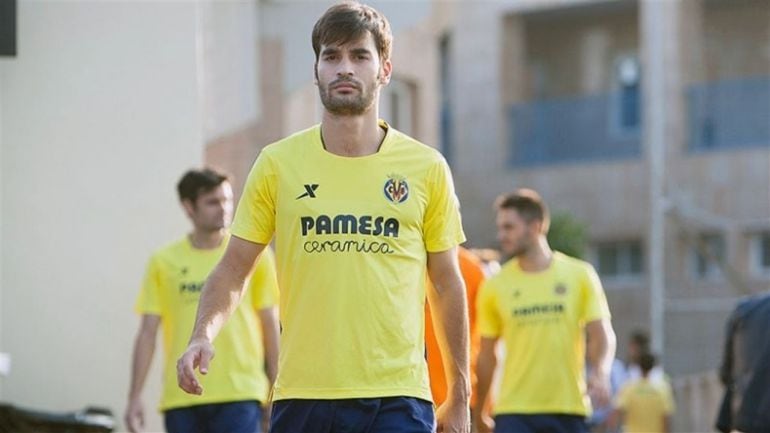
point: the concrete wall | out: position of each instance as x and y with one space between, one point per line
229 65
736 39
576 52
106 104
236 151
98 122
2 223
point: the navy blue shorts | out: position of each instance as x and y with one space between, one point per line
359 415
541 423
231 417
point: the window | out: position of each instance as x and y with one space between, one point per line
445 114
760 254
708 252
619 259
397 105
627 106
8 12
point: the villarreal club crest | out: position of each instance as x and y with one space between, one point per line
396 189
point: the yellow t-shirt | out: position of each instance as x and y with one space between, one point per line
171 290
351 242
645 404
541 317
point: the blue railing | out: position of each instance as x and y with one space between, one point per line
729 114
590 128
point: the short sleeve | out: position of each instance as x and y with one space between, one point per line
488 320
594 300
668 398
264 282
255 217
621 400
442 225
148 301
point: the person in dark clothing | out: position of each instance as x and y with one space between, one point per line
745 370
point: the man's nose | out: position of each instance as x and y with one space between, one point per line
345 68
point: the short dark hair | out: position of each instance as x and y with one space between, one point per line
641 339
528 204
647 362
199 181
348 21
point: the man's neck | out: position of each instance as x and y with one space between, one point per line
352 136
206 240
538 258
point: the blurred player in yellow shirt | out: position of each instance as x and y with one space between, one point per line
644 405
247 347
542 304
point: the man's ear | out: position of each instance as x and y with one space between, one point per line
536 226
315 73
387 70
189 207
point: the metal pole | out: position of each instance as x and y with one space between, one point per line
654 31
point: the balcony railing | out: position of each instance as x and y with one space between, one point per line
589 128
729 114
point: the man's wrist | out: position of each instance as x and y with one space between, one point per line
459 395
198 338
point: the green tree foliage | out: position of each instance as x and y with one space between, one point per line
567 234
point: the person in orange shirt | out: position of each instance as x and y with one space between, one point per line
473 273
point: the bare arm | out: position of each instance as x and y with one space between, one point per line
450 321
270 336
220 296
600 354
144 349
485 370
615 420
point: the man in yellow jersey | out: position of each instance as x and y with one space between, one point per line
543 304
360 212
247 348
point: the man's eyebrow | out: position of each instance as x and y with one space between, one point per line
330 50
360 51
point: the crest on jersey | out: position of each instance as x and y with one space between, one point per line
560 289
396 189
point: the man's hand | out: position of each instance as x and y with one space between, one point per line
198 355
483 423
267 412
134 416
599 388
453 418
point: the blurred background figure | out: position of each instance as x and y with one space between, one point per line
644 405
638 346
598 422
490 260
551 312
247 348
745 370
472 272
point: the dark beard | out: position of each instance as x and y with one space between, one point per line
354 107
